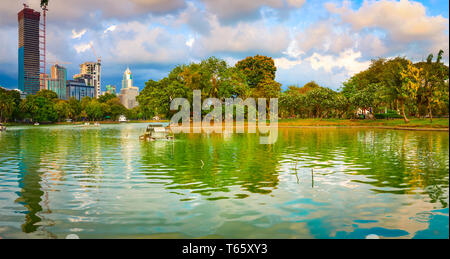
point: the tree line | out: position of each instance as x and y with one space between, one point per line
45 106
251 77
389 88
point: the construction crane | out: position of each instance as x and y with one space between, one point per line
99 59
42 38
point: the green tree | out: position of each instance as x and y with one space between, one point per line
106 97
47 94
394 84
431 90
213 77
115 108
40 107
364 98
256 69
62 109
341 105
74 108
9 104
94 110
321 100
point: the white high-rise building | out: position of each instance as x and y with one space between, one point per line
127 79
128 93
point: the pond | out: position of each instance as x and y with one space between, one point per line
102 182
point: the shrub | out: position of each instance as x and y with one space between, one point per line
389 115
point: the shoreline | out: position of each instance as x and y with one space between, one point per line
439 125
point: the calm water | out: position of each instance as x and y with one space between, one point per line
313 183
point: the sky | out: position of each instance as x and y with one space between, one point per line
322 40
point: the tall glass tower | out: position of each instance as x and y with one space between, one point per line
127 79
29 67
128 93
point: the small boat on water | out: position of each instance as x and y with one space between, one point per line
122 118
96 124
156 132
36 124
2 128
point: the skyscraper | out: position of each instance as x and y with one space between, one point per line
127 79
57 82
29 67
93 69
128 93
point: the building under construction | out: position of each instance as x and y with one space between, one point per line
93 71
29 55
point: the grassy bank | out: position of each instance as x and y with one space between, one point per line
440 123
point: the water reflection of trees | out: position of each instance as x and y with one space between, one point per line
208 164
44 155
397 162
36 148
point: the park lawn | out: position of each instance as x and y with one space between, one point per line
414 123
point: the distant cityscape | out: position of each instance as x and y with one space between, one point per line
32 66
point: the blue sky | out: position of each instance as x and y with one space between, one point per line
326 40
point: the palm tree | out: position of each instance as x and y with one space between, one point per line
7 106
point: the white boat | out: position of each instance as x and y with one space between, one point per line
122 118
156 132
96 124
36 124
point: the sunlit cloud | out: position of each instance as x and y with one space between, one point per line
110 29
190 42
82 47
347 60
78 35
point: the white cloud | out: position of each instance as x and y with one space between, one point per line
243 37
110 28
324 36
196 19
406 24
78 35
145 45
347 60
82 47
372 45
245 9
190 42
285 63
404 20
293 50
